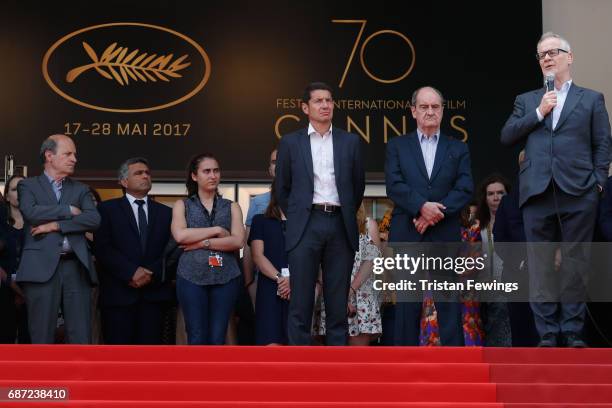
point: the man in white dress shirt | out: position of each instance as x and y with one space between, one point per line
319 185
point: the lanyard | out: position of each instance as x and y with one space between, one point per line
209 217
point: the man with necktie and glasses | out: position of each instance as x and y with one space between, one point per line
56 267
129 248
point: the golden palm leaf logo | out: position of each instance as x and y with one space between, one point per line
117 64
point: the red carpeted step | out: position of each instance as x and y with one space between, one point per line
238 371
556 405
241 353
293 404
268 391
249 404
555 393
312 377
546 355
552 373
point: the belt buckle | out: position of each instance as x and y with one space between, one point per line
331 208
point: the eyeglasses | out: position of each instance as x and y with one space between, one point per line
552 53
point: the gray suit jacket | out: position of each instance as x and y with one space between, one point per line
38 205
576 157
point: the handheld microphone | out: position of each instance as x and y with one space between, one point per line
549 82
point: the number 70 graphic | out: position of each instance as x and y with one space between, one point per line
362 52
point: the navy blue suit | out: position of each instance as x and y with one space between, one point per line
317 239
409 187
131 315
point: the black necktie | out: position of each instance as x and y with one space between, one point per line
142 223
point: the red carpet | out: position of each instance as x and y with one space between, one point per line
305 377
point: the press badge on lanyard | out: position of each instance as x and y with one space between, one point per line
215 259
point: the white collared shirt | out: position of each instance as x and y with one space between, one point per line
134 206
561 97
429 145
322 150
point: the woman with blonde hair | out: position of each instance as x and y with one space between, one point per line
364 319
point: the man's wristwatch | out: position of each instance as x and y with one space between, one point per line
207 243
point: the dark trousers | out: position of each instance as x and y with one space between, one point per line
557 297
140 323
207 309
324 245
522 326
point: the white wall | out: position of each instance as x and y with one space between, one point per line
586 24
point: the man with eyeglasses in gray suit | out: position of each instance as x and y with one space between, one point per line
566 132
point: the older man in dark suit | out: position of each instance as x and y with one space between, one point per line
129 247
56 266
567 136
319 184
429 179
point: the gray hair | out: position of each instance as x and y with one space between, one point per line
549 34
123 172
49 144
416 93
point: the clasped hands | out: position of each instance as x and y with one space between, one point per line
220 232
142 277
52 226
431 214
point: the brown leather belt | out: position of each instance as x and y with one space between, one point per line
328 208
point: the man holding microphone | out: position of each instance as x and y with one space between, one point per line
566 133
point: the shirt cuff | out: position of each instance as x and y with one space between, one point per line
540 116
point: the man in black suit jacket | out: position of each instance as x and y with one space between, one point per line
319 185
567 136
129 247
429 179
